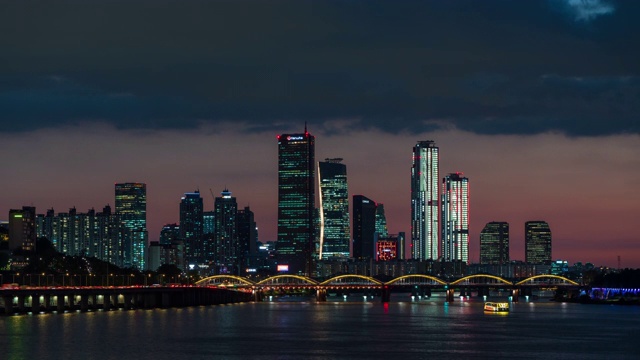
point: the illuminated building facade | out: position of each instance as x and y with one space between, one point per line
296 202
424 201
494 243
131 206
364 227
225 233
387 249
537 242
455 218
334 214
191 228
381 221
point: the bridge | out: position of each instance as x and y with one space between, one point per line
418 284
92 298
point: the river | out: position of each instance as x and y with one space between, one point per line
333 330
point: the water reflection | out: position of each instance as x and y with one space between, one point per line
335 329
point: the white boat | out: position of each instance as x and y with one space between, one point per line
496 306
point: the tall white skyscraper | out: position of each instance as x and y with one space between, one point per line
424 201
455 218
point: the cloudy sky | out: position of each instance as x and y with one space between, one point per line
537 102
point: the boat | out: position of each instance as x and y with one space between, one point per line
496 306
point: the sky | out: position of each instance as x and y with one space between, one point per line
536 102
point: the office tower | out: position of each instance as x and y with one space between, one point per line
296 202
537 242
247 234
455 218
381 221
131 206
225 234
494 243
334 209
364 227
191 225
22 228
424 201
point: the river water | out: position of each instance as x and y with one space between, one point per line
332 330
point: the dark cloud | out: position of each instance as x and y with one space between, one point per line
498 66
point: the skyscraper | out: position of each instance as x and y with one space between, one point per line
494 243
424 201
381 221
364 227
455 218
247 234
334 214
191 228
226 233
131 206
296 202
537 242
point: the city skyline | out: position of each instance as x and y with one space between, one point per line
166 205
537 102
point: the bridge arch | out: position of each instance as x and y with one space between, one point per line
287 279
465 280
418 280
338 280
224 280
558 280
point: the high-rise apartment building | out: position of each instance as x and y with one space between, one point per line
455 218
296 202
208 222
334 209
131 206
226 233
424 201
170 233
537 242
111 235
494 243
364 227
191 228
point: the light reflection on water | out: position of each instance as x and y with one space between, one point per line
335 329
